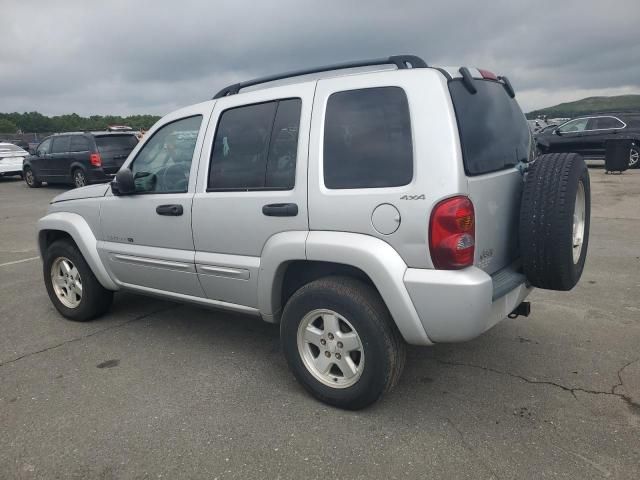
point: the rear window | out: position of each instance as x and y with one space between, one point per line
367 139
493 131
116 143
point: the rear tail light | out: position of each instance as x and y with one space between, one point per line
95 160
452 234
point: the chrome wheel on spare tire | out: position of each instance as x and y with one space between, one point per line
67 283
330 348
578 222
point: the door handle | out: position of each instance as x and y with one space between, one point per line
280 210
170 210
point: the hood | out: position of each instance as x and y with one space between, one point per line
90 191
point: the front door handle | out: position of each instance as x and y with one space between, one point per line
280 210
170 210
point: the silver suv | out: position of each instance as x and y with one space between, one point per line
362 206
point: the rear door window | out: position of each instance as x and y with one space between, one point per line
367 139
116 143
494 133
60 144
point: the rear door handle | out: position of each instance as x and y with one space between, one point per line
280 210
170 210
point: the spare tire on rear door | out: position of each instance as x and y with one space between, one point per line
554 221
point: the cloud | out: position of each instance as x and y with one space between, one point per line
122 57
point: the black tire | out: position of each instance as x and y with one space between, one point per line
30 178
634 156
383 347
546 220
79 178
95 300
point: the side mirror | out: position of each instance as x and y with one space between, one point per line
557 132
123 183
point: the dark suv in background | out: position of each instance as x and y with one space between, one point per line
78 158
587 135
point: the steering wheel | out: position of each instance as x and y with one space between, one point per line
174 178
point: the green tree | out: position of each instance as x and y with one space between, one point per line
7 126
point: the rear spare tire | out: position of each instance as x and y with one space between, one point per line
554 221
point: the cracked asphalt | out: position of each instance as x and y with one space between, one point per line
162 390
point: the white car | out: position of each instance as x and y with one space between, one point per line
11 157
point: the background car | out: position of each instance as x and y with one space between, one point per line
79 158
11 157
587 135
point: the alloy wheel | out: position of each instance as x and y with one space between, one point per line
330 348
66 281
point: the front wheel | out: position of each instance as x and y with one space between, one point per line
72 287
341 343
30 178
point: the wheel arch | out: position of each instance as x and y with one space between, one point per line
292 259
59 225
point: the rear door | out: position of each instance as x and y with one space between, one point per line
601 129
570 136
114 150
494 138
252 186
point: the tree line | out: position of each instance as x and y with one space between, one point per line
35 122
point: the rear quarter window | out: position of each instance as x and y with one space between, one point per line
494 133
367 139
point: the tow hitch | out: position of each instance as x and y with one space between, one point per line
524 309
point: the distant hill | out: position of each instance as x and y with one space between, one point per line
620 103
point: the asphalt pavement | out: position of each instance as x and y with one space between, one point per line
158 389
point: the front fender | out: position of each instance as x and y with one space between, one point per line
76 226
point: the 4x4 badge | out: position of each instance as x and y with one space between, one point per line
413 197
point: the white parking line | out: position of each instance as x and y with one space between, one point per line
18 261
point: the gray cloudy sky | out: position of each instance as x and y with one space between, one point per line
125 57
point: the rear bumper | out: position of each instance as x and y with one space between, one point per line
458 305
10 166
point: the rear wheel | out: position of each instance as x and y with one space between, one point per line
30 178
634 156
341 343
79 178
71 285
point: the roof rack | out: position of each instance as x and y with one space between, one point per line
401 61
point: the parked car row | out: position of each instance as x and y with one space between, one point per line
588 135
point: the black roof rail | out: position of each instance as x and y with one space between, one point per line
401 61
